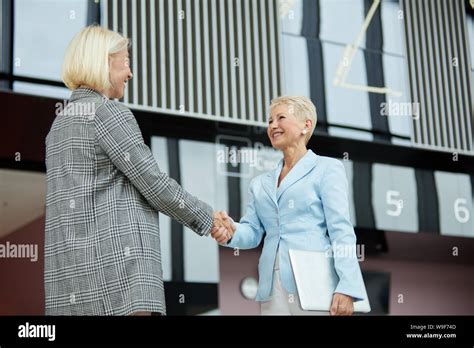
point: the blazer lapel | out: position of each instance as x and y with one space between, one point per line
304 165
270 182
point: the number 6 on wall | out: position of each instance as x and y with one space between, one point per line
461 212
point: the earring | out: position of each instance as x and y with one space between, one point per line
304 131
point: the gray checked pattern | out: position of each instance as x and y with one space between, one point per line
104 192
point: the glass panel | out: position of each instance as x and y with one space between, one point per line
291 14
392 27
198 161
41 90
470 29
402 142
398 109
296 66
43 29
455 204
346 106
394 198
355 110
350 133
348 165
159 148
341 20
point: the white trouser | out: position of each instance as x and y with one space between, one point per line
282 302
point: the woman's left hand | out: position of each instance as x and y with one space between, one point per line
342 304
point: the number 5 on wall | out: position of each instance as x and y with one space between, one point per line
397 204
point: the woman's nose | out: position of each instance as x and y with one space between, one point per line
130 76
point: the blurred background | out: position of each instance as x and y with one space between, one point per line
393 85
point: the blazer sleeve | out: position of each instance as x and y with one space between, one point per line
118 134
249 231
334 191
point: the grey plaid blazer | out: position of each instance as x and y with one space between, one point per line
104 192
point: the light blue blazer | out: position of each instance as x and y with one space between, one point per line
310 201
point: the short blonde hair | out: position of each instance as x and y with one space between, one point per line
86 61
302 107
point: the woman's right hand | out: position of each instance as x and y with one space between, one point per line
223 228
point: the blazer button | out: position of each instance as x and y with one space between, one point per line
72 299
127 251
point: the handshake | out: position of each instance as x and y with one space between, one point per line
223 228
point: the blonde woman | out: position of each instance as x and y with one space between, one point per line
302 205
104 192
